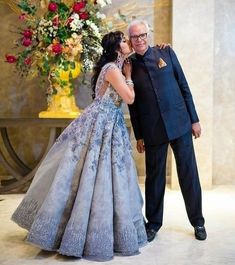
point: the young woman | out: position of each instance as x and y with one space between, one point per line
84 200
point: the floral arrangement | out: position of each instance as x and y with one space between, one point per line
57 35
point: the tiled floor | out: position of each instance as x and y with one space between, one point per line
175 243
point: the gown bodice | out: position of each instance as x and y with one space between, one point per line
104 90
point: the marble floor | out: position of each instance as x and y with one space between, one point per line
174 245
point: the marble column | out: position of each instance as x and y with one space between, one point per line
193 42
224 94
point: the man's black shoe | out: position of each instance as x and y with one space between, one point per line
151 233
200 232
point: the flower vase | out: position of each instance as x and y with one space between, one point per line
61 101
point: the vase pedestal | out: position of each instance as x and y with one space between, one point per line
61 106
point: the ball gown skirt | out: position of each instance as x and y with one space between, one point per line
84 200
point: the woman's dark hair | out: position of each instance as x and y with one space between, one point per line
111 44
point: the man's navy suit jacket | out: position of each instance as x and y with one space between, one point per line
163 109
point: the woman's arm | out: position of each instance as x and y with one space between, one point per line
123 86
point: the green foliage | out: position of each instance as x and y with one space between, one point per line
27 7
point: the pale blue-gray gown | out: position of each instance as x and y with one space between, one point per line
84 200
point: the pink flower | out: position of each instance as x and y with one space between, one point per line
55 21
69 21
10 58
52 7
84 15
28 61
27 33
57 48
26 42
78 6
22 16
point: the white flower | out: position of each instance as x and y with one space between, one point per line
88 64
74 35
103 3
42 22
99 50
100 15
94 28
76 23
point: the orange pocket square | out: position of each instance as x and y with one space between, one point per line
161 63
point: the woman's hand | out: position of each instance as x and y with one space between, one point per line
127 68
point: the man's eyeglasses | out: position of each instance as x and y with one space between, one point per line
142 36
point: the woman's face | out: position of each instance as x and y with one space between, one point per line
125 46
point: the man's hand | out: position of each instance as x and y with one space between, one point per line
196 130
140 146
164 45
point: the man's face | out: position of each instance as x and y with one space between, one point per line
139 38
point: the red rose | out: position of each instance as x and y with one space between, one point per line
78 6
22 16
28 61
26 42
10 58
52 7
27 33
84 15
57 48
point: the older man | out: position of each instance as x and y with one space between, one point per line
163 113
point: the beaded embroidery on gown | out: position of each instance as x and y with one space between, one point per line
84 200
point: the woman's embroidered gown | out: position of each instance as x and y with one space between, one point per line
84 200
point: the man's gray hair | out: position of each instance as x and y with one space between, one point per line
137 22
